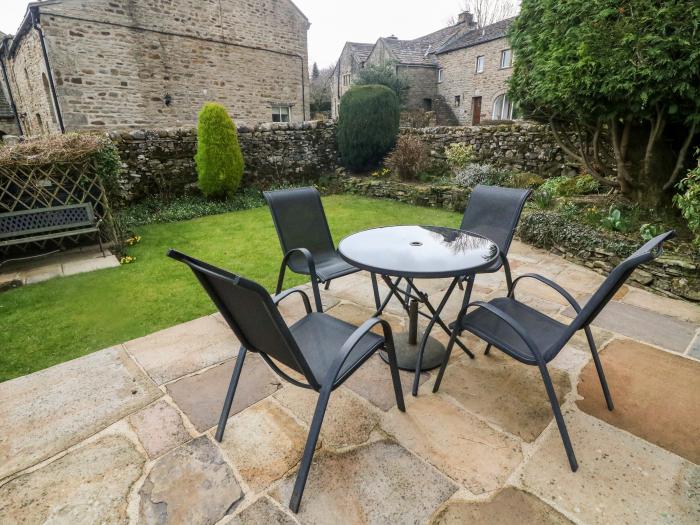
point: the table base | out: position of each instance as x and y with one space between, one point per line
407 353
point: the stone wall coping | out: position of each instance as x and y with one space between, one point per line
170 133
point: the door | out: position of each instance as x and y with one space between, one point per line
476 110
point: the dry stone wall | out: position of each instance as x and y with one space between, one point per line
161 162
520 146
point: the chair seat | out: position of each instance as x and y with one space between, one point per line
333 266
544 331
320 338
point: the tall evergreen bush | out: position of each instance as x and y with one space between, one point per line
219 159
368 124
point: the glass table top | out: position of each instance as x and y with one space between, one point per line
418 251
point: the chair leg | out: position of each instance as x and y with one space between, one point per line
229 395
488 349
317 293
99 240
599 368
309 449
328 285
448 351
280 278
559 418
395 378
375 289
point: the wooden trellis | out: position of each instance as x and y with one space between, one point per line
32 186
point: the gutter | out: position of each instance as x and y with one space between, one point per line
9 89
52 85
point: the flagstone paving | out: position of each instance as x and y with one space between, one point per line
126 434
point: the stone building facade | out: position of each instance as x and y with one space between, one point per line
442 71
120 64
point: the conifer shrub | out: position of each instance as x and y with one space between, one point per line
368 124
218 159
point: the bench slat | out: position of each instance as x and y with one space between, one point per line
38 238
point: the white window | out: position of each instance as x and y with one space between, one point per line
480 64
506 58
280 113
502 108
346 79
441 74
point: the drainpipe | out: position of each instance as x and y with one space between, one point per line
54 95
303 87
9 93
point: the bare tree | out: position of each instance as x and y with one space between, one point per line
487 12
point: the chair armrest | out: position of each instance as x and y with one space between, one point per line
307 255
277 299
566 295
510 321
352 341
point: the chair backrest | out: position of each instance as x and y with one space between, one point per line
249 311
300 223
617 277
494 212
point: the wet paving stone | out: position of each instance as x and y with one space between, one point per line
508 506
192 484
201 397
373 484
656 395
621 478
88 485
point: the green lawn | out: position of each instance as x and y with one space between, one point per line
51 322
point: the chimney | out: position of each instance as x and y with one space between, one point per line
465 17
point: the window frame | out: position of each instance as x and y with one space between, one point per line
480 59
441 75
277 112
346 79
505 103
458 100
509 52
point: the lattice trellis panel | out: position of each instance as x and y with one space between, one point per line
28 187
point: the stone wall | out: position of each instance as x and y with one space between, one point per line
521 146
161 162
114 62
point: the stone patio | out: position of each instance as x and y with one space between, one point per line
125 434
70 262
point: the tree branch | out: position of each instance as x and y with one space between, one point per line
657 127
566 148
680 161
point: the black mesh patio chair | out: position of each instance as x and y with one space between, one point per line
494 212
306 240
535 339
324 350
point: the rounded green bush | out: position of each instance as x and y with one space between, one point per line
368 124
219 159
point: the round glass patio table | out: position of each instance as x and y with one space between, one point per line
405 253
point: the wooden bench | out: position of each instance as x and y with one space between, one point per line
42 224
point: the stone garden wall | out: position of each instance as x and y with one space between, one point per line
161 162
521 146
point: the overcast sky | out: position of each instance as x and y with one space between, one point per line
333 22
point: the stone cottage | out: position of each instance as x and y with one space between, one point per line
459 73
112 64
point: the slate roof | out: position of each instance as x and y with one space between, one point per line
420 50
361 50
477 36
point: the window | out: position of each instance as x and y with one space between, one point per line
502 108
346 79
441 74
506 58
480 64
428 104
458 101
280 113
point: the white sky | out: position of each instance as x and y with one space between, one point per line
333 22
